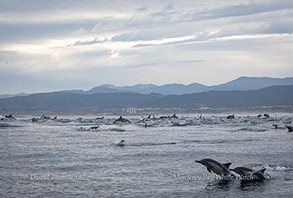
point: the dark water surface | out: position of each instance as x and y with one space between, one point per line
66 158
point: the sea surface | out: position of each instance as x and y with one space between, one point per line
82 157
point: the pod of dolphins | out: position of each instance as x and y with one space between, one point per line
224 171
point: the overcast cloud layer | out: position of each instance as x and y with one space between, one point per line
54 45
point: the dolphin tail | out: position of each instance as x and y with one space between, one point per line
261 170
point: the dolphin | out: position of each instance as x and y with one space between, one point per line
290 128
215 166
45 117
275 126
95 127
10 116
266 115
174 116
164 117
120 119
231 116
250 174
121 143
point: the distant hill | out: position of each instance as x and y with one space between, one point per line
176 89
102 89
13 95
73 103
252 83
179 89
242 84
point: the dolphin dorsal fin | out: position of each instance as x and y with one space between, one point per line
227 165
209 169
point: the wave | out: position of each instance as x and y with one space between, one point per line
116 130
248 129
278 168
35 155
219 141
5 125
151 144
181 124
193 141
83 129
272 167
63 120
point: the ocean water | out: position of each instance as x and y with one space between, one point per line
68 158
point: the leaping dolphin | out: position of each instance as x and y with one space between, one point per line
10 116
215 166
250 174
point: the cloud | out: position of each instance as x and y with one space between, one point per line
164 41
190 61
59 17
129 36
141 8
243 10
91 42
115 54
166 11
147 41
80 31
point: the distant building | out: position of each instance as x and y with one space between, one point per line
131 110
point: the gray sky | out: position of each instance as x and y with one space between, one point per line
48 45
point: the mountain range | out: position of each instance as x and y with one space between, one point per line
274 98
242 94
241 84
